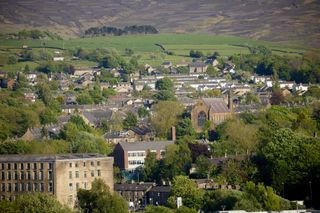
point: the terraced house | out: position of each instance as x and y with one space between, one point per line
59 175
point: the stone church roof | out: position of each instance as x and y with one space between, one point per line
217 105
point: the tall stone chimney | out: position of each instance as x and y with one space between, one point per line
173 133
230 101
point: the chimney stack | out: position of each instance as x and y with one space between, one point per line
230 101
173 133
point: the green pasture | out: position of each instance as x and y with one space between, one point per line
145 46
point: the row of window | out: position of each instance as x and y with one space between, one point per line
28 187
85 184
77 174
25 175
84 163
135 162
27 166
134 154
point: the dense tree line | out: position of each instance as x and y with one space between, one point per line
32 34
301 69
128 30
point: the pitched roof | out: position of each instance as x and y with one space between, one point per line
95 117
152 145
217 105
198 64
133 186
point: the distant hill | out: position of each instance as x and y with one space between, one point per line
275 20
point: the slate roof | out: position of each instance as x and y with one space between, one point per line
217 105
161 189
95 117
48 158
198 64
137 146
133 186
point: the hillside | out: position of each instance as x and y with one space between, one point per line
281 20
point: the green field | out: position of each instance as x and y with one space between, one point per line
145 45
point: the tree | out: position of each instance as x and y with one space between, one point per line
12 59
164 84
39 203
177 161
165 116
211 71
130 121
129 52
165 95
151 167
99 199
48 117
185 128
8 207
203 166
84 98
187 189
143 112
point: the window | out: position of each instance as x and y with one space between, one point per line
41 187
99 173
35 187
21 187
85 174
22 166
28 166
92 163
70 200
84 164
15 166
21 175
15 176
70 165
41 166
77 186
9 175
77 174
28 176
28 187
34 165
50 187
85 185
2 166
9 187
76 164
70 174
98 163
50 175
9 166
3 187
202 118
92 173
41 175
3 176
15 187
49 165
34 175
70 187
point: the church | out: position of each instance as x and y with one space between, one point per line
215 110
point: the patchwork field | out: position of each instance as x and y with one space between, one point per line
146 46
